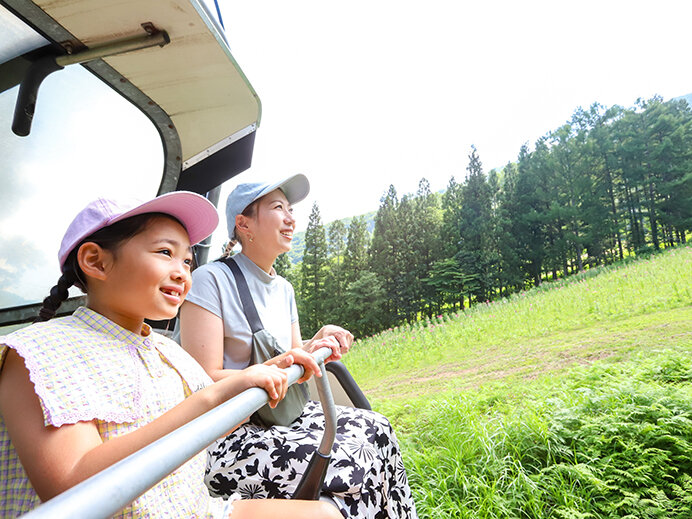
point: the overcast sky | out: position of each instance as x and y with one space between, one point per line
362 94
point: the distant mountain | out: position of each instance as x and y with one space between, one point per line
687 97
298 243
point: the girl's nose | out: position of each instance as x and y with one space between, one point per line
180 272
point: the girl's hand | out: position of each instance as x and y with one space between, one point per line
298 356
270 378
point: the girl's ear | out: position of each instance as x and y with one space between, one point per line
93 260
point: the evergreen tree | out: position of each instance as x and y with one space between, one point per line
606 169
337 240
408 280
426 246
314 275
450 287
475 225
283 265
336 275
529 208
385 253
363 301
509 270
356 253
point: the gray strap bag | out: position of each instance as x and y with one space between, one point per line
265 347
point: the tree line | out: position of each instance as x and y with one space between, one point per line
609 183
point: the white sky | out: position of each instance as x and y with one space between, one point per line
362 94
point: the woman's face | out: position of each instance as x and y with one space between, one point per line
272 224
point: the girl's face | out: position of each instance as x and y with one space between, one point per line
149 275
272 225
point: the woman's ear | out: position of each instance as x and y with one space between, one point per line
93 260
241 224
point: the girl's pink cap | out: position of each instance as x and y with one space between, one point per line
197 214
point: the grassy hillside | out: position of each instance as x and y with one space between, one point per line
570 400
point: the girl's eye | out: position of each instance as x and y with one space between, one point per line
188 262
167 252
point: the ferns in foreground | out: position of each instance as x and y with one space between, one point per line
609 442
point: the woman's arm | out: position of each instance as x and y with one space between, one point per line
57 458
201 335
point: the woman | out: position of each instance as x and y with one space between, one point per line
366 477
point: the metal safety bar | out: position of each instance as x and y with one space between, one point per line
310 485
105 493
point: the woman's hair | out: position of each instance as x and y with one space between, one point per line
249 211
109 238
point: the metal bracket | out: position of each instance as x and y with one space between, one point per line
41 68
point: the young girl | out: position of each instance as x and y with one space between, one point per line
79 393
366 476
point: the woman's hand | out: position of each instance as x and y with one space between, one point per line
341 340
297 356
270 378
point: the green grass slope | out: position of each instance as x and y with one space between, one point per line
571 400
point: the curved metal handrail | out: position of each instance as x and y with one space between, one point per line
105 493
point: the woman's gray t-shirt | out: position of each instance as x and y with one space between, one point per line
214 289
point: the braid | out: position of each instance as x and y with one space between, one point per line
229 248
108 238
58 294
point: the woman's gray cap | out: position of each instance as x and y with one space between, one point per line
295 188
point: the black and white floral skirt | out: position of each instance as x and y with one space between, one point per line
366 476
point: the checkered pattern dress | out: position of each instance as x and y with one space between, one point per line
85 367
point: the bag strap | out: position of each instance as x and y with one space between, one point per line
245 298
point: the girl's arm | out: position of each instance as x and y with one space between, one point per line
57 458
201 335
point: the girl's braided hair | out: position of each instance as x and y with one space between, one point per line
109 238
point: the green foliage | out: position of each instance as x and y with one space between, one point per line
601 442
361 303
474 252
282 265
356 254
584 439
608 184
313 275
596 297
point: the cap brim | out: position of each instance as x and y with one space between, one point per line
296 188
197 214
